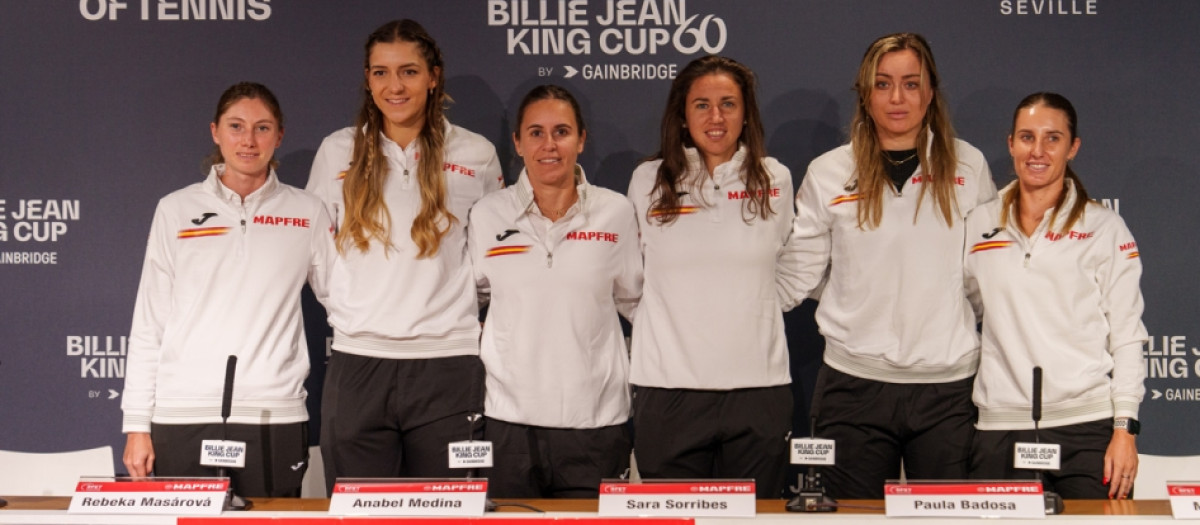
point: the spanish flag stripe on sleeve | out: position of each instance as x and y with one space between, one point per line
203 232
506 250
990 245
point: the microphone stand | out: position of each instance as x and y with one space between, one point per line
473 472
1054 502
811 496
232 500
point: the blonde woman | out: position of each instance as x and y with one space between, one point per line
882 216
405 372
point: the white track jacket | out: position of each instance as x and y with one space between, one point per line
223 278
552 344
893 308
1070 303
392 305
710 317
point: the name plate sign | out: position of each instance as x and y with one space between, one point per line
1000 499
1185 499
409 498
197 497
678 498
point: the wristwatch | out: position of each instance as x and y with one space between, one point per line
1128 424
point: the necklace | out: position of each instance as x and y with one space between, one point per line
888 158
554 214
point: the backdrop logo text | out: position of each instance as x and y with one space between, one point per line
176 9
614 27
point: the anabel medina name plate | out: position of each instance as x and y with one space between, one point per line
197 497
987 499
408 497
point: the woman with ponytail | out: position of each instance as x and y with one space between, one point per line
880 221
405 374
221 279
1055 276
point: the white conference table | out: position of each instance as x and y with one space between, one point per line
52 510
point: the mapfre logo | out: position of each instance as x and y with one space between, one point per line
614 27
1048 7
176 10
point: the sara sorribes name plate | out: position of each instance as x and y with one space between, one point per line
734 498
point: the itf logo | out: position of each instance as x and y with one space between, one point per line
177 9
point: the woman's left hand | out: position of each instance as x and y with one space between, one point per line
1120 464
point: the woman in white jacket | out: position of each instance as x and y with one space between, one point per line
709 357
225 263
559 259
882 218
1056 278
405 375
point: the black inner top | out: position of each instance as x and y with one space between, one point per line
900 165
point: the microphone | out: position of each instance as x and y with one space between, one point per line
232 500
1037 398
227 395
1054 502
473 426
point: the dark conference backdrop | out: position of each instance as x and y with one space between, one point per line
105 105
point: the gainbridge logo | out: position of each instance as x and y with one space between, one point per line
614 28
175 10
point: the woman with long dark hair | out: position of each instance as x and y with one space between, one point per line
709 354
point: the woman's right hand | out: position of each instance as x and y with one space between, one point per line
139 454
